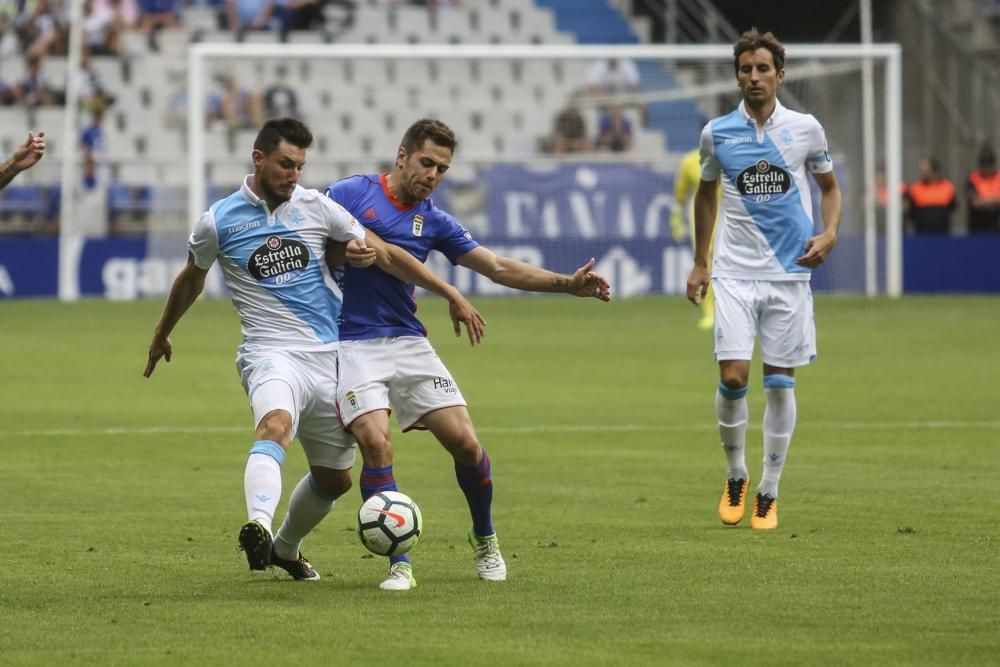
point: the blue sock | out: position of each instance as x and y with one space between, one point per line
477 485
374 480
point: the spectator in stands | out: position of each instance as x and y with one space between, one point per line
25 157
930 200
615 77
245 15
32 90
6 94
93 146
92 200
298 15
100 29
236 106
983 192
91 91
614 131
154 15
126 13
42 32
570 132
280 100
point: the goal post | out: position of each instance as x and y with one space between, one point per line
824 80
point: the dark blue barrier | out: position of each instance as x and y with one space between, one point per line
29 267
933 263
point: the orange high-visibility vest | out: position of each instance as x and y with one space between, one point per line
935 193
986 186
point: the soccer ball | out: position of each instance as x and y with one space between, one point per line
389 523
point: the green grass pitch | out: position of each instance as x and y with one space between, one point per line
120 498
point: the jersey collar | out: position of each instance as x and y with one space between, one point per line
775 115
254 200
383 179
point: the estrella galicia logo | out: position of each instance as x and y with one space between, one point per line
278 261
763 182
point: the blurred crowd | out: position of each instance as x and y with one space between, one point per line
932 200
611 89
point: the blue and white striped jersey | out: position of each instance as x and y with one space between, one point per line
766 208
273 264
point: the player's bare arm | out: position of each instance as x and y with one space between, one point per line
188 284
398 262
706 205
519 275
831 203
25 157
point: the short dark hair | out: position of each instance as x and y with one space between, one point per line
428 128
292 130
987 158
751 40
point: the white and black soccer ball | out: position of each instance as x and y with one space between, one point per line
389 523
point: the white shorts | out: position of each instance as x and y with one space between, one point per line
304 384
393 373
780 312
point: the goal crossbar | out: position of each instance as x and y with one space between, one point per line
889 54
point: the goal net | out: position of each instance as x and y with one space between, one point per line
534 176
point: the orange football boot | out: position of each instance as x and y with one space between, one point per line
733 503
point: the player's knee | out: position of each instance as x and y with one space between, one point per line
465 448
331 483
276 426
733 379
375 446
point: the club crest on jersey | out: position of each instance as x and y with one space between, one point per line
418 225
763 182
295 218
353 400
278 261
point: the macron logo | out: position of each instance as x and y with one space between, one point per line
370 214
737 140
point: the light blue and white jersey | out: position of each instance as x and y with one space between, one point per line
274 267
766 215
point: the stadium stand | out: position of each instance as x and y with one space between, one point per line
499 108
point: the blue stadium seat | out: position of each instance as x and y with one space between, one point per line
23 199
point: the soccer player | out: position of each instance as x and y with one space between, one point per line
682 220
25 157
765 250
386 361
269 238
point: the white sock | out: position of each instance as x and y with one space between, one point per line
306 508
731 409
262 482
779 423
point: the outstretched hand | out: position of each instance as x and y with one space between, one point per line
585 283
158 348
463 312
30 152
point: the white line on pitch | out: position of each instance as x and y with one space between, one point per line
565 428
